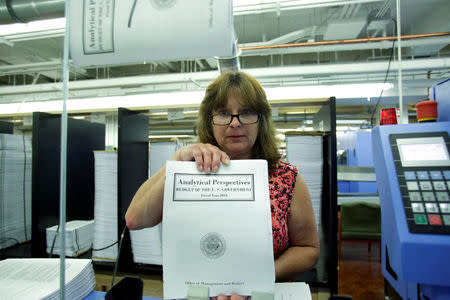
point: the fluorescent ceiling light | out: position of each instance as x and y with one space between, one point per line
191 98
165 112
35 26
143 101
346 128
326 91
352 121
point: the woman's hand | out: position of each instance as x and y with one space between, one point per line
232 297
206 156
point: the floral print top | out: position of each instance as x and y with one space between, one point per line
281 188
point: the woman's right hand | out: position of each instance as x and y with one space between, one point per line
206 156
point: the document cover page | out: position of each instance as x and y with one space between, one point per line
217 229
113 32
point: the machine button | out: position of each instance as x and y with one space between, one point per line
417 207
442 196
431 207
428 196
436 175
422 175
412 185
435 219
420 219
425 185
446 219
439 185
445 207
447 174
415 196
410 175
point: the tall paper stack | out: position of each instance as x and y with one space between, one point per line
146 243
15 189
306 153
105 246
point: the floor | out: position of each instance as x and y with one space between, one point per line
359 275
360 271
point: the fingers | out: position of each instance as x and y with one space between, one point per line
225 159
238 297
206 156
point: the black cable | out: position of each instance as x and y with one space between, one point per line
53 243
385 77
76 241
12 13
118 255
2 240
109 246
23 188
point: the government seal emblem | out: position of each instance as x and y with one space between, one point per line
213 245
163 4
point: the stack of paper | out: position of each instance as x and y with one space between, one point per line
78 238
160 152
306 153
39 278
105 247
146 243
292 291
15 189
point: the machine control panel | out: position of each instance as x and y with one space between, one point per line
422 163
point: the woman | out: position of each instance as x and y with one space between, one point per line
235 123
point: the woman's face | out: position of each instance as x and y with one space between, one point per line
235 139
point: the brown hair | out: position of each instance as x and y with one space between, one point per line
254 97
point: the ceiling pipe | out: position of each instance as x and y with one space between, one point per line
427 41
259 73
23 11
412 42
349 41
287 38
172 131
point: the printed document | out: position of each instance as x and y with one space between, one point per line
217 229
113 32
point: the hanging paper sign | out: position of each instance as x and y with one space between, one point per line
113 32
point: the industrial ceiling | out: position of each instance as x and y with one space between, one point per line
282 43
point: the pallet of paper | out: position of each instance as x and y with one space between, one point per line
38 278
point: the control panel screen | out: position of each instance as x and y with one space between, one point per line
426 151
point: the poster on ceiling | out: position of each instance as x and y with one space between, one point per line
113 32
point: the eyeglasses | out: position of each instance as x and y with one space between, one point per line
244 118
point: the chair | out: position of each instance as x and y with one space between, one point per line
359 221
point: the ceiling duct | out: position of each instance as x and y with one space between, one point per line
23 11
230 63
